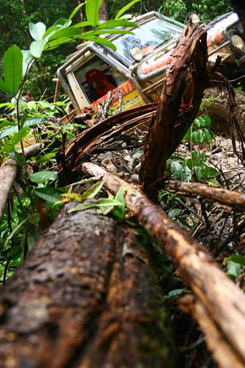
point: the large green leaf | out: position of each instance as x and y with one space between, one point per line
37 30
12 70
92 11
125 8
37 48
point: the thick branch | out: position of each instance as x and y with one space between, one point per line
224 196
179 103
222 300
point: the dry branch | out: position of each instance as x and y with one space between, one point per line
186 80
78 147
8 171
84 298
221 299
215 341
224 196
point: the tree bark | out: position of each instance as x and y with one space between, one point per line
221 299
186 80
84 297
8 172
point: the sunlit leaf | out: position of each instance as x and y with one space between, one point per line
92 11
37 30
125 8
37 48
76 10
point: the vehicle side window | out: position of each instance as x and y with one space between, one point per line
96 78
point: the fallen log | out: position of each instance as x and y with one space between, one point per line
8 172
223 302
227 197
84 297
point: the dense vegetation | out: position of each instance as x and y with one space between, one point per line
16 15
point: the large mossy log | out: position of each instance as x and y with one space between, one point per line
84 297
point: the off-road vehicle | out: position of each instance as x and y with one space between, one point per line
136 70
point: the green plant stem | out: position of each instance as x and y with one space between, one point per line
18 124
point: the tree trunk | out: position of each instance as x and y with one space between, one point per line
85 297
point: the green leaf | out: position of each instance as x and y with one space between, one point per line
75 11
16 138
211 172
213 182
198 172
27 57
194 137
37 30
92 191
102 41
29 122
82 207
237 258
233 269
111 31
186 174
207 120
92 11
47 157
197 123
12 70
175 212
125 8
65 32
49 194
207 136
176 293
50 45
43 176
77 197
117 23
119 212
37 48
200 136
176 169
34 218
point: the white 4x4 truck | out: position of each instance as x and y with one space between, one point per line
135 72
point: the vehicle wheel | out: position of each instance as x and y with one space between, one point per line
219 112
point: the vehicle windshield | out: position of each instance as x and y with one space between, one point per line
152 33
